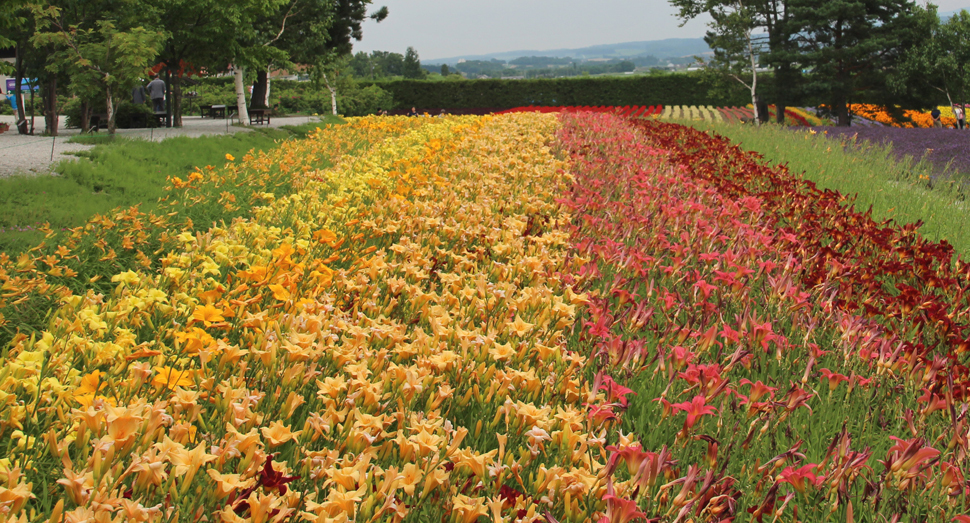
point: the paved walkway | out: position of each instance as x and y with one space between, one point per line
25 154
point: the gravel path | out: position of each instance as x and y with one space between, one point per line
31 155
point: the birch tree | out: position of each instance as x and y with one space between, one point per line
770 18
736 46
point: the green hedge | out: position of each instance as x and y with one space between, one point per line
673 89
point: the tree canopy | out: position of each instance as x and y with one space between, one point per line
834 50
938 63
66 38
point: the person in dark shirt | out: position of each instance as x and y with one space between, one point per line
413 112
937 123
138 94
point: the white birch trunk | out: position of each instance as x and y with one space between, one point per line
238 73
333 94
269 84
754 81
109 101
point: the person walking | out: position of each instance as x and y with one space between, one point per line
958 112
156 91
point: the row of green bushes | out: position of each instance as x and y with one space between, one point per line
673 89
292 97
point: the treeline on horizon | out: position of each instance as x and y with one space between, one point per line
382 65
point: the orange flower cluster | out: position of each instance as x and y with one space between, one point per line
917 118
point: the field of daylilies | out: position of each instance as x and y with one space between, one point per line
525 317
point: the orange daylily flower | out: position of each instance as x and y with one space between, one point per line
283 251
172 378
90 383
255 273
325 236
279 292
208 314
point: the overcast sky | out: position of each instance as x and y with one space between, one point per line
447 28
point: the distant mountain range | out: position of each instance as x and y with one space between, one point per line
662 49
669 48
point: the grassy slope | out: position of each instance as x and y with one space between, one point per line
116 173
895 190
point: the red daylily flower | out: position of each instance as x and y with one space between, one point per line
797 477
695 408
834 378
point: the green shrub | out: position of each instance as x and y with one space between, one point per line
127 114
364 101
131 115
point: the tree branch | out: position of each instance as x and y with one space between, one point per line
288 14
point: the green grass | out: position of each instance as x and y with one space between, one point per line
895 190
117 172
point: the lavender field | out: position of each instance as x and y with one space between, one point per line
948 150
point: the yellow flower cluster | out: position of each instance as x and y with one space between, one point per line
388 341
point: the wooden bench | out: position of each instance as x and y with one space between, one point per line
162 119
259 116
217 111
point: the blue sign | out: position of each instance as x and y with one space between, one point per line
27 84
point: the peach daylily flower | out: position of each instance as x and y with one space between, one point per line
226 483
501 352
520 327
123 425
468 509
187 462
278 434
409 478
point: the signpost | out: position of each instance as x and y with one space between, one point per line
27 84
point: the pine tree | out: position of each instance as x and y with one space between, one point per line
412 65
850 45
